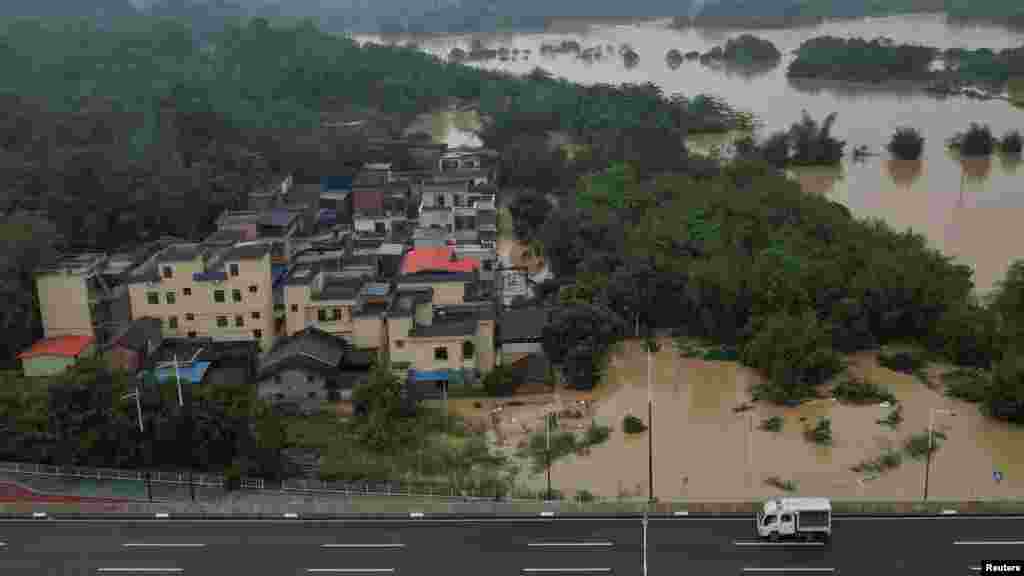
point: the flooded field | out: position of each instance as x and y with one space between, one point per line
704 450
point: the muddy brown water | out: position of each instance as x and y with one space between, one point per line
955 205
703 450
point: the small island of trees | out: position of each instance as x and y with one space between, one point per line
856 59
906 144
745 49
979 141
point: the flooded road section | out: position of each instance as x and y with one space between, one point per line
704 450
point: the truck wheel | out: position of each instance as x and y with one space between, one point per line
774 537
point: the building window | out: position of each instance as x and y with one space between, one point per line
239 320
295 307
399 343
253 288
321 315
218 295
191 334
168 271
236 295
170 298
172 322
441 353
255 315
468 349
153 297
186 291
233 268
222 321
190 317
257 334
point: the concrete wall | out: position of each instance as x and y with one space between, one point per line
296 298
445 293
485 356
64 305
205 309
369 333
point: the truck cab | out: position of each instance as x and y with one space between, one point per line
805 518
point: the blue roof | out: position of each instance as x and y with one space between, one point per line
209 276
277 273
429 376
279 217
377 290
336 183
193 372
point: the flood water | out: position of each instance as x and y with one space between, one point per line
957 205
703 450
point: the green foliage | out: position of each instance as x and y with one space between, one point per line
906 144
821 433
499 382
773 424
968 384
893 419
784 485
580 337
794 353
907 362
749 49
382 423
1011 143
584 496
877 60
889 460
806 143
633 425
977 141
596 434
852 390
609 188
917 445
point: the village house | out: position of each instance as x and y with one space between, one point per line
53 356
520 338
453 280
378 208
198 290
130 349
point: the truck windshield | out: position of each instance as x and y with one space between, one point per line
769 519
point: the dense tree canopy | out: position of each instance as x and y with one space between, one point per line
857 59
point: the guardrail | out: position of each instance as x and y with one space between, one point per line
155 476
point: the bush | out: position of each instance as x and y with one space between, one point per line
794 352
499 382
977 141
894 419
905 362
821 434
584 496
906 144
1011 143
785 485
887 461
968 384
916 445
854 390
596 434
773 424
633 425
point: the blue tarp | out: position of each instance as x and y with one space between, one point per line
327 216
431 376
277 273
188 372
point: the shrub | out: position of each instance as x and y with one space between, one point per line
916 445
969 384
773 424
633 425
854 390
596 434
894 418
906 144
499 382
905 362
584 496
795 354
1011 143
977 141
887 461
785 485
821 434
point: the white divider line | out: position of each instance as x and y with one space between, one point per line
571 544
385 545
350 571
974 568
757 543
161 545
567 570
156 570
162 515
828 570
547 514
988 542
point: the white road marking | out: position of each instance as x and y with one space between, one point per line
566 570
157 570
570 544
350 570
756 543
162 545
988 542
974 568
393 545
788 570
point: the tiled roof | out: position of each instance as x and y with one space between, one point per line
340 289
463 325
70 346
311 344
436 259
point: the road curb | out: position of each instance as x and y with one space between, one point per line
426 517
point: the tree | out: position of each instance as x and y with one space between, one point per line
906 144
579 337
529 210
793 352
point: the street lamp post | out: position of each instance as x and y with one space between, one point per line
138 408
652 347
931 444
547 435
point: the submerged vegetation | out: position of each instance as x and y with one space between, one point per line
906 144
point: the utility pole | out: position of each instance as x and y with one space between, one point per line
652 346
547 434
138 408
931 444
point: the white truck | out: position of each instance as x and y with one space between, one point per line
806 518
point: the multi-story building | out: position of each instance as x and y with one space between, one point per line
379 208
85 294
200 290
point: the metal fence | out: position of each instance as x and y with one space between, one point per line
156 476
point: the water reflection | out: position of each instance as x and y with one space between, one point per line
976 169
1010 162
851 91
904 173
819 180
749 71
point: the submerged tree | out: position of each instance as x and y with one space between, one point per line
906 144
1011 143
977 141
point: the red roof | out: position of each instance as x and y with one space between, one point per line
368 200
436 259
59 346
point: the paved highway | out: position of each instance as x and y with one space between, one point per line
496 547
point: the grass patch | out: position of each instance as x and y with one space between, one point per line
633 425
853 390
563 443
885 462
968 384
821 433
773 424
916 446
784 485
894 419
